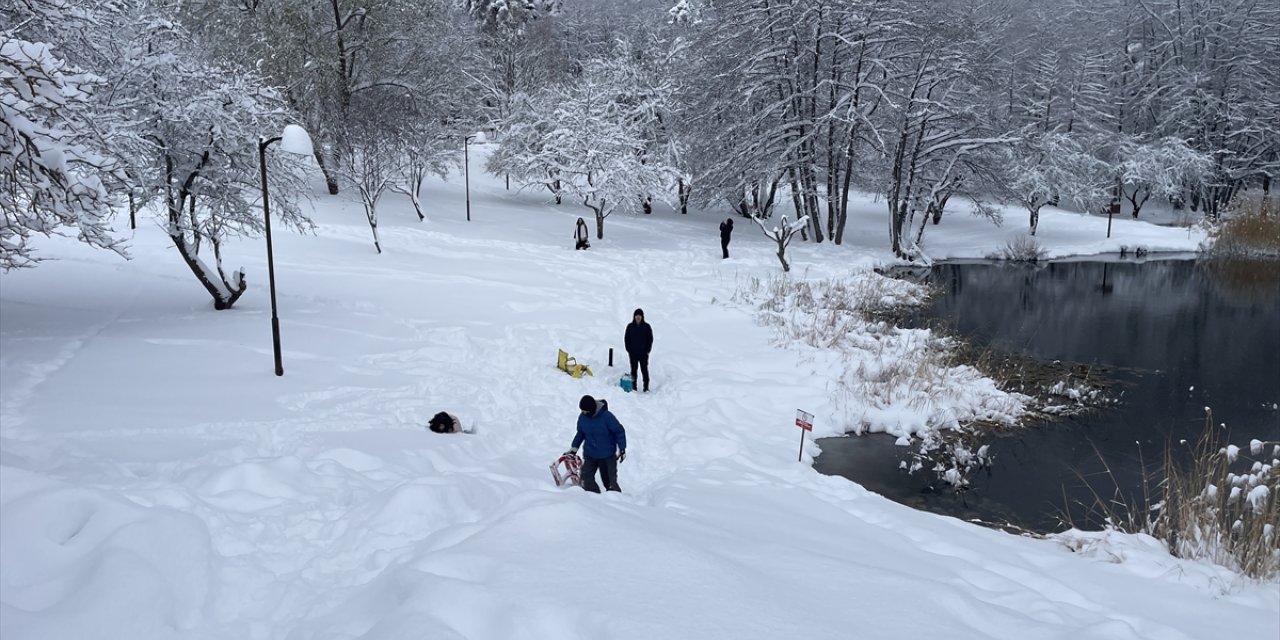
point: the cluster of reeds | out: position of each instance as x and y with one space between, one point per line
1209 500
1223 504
1251 229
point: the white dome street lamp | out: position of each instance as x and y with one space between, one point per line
293 139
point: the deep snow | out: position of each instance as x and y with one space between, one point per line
158 481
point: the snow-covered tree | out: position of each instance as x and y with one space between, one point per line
373 166
939 124
518 51
417 164
331 56
526 152
509 15
1165 168
782 234
685 12
188 131
1046 168
601 140
52 158
177 129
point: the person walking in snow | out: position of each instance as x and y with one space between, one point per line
581 234
445 422
726 230
639 341
603 442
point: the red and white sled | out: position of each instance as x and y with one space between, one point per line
565 470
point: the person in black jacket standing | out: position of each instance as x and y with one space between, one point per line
639 341
726 230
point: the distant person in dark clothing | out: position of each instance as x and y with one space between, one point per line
639 341
726 230
582 235
605 444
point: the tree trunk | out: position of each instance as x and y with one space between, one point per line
370 201
842 215
599 214
418 174
223 296
811 202
373 226
797 201
1035 218
330 179
1136 200
938 206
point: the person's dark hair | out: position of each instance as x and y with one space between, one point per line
588 404
440 423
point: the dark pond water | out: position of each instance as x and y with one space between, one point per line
1175 335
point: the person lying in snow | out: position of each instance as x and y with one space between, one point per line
605 444
445 423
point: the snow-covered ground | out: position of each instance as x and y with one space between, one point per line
158 481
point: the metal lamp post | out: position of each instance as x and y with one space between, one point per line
293 139
466 172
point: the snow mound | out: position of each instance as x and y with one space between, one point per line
83 563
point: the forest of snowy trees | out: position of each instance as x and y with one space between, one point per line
115 108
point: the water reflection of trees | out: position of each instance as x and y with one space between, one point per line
1242 280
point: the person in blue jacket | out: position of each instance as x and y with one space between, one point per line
603 442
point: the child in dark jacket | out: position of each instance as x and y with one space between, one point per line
603 442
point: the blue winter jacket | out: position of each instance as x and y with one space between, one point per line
601 431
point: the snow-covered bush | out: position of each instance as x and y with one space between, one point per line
1023 248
